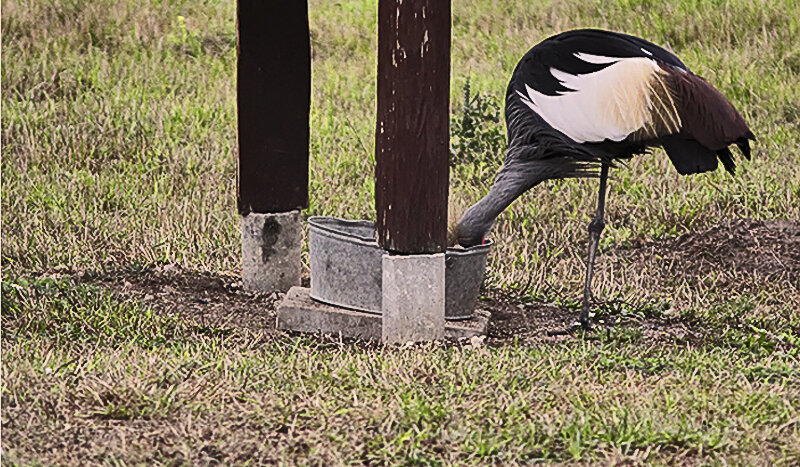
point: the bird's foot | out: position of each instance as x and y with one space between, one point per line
583 326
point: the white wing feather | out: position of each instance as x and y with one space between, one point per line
621 99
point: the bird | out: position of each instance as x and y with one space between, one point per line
583 101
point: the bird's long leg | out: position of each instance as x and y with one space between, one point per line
595 229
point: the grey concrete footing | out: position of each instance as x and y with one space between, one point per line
298 312
413 298
271 251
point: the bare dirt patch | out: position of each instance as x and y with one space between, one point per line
205 299
767 249
770 249
531 321
217 300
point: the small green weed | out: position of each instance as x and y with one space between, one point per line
476 130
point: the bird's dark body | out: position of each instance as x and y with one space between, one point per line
584 99
711 123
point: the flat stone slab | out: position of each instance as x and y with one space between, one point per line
298 312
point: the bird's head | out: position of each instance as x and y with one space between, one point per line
461 228
469 231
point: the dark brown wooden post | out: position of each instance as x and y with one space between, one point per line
273 84
412 134
273 97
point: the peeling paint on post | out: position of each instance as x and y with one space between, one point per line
412 132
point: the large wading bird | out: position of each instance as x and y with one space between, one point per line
583 99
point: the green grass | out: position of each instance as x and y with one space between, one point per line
118 134
74 313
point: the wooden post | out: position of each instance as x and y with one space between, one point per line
273 97
412 134
273 83
411 174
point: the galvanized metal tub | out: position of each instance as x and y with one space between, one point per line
346 268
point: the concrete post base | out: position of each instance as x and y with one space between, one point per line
271 251
413 298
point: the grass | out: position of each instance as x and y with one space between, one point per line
242 397
118 136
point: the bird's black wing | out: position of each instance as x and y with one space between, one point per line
560 52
